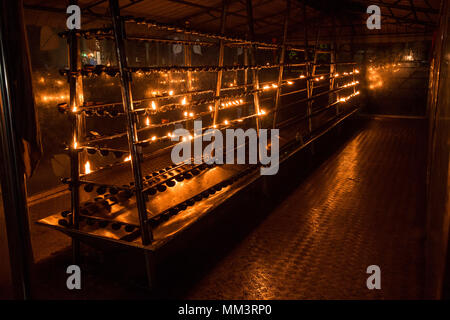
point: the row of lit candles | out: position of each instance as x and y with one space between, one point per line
236 102
87 166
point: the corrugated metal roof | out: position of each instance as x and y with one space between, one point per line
268 14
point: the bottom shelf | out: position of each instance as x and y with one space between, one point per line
212 189
178 208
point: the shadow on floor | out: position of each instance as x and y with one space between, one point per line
194 266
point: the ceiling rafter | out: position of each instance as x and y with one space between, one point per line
395 5
207 9
257 21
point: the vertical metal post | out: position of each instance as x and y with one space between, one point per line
333 68
313 73
188 63
125 78
246 71
308 74
281 69
255 79
188 59
352 53
223 23
76 100
12 172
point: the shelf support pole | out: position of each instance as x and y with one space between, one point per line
135 150
251 33
223 23
76 101
282 58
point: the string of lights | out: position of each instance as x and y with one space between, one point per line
225 103
170 94
99 70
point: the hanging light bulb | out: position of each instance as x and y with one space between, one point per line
184 101
153 105
153 138
289 82
225 122
87 167
75 143
127 158
171 93
147 121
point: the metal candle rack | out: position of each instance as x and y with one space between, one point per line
140 232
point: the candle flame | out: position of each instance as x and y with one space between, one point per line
87 167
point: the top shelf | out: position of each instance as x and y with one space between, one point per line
107 33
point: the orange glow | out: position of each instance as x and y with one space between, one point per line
87 167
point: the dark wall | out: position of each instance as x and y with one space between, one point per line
438 257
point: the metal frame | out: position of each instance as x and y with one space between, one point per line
252 88
136 152
255 79
223 23
281 70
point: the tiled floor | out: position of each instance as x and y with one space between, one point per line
363 205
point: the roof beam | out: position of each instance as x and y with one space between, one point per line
207 8
404 7
230 13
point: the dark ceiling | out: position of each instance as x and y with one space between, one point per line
338 18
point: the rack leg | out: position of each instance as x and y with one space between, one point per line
76 251
150 269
